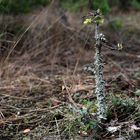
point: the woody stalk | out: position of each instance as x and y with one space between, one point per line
97 19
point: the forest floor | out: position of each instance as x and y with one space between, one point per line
44 82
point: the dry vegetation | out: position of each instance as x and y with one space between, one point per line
42 79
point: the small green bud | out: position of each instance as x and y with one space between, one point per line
88 21
99 20
119 46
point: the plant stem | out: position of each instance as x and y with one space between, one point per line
100 83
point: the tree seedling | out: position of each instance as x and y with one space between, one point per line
97 19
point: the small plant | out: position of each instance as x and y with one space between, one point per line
97 19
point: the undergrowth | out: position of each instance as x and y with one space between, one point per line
22 6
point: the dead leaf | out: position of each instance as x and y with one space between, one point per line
26 130
113 129
134 127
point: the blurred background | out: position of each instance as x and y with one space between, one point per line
43 49
54 28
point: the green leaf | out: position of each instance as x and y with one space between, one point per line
120 47
88 21
99 20
137 92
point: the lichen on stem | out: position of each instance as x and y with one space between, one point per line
100 83
96 18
